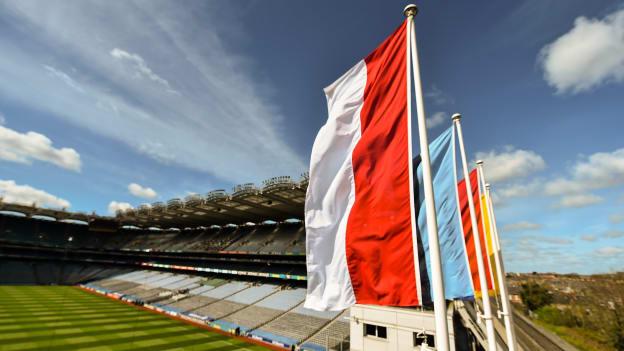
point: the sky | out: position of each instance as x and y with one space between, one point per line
107 105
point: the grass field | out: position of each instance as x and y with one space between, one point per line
67 318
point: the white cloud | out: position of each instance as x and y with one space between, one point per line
226 121
64 77
590 54
598 171
588 238
555 241
610 251
578 201
27 195
140 67
521 226
616 218
518 190
25 147
115 206
510 163
437 119
438 96
502 195
614 234
140 191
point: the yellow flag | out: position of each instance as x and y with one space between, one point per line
489 243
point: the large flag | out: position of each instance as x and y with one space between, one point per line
455 270
485 216
359 210
469 233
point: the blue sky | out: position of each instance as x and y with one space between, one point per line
116 104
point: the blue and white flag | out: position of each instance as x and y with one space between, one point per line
455 269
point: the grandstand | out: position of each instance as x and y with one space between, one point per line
230 261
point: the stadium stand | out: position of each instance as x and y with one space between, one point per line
278 238
296 325
270 312
234 262
334 336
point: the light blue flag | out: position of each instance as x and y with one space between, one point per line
457 278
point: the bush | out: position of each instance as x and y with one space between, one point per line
555 316
618 331
535 296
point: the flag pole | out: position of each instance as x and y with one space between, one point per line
507 315
487 308
484 215
437 282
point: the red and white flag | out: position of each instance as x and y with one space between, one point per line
359 211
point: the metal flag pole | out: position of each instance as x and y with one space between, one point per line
487 309
485 223
507 315
437 282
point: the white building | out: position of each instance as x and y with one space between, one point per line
379 328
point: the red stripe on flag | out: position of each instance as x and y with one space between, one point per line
468 235
379 231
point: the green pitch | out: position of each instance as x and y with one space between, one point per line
67 318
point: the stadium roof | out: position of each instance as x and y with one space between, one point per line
278 199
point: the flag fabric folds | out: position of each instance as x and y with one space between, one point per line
358 210
485 216
457 279
469 233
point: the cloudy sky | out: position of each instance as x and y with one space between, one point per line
107 105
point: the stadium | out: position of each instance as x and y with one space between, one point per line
359 253
232 265
232 262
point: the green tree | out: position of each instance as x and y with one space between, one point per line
535 295
618 331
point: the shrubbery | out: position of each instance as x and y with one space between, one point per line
555 316
535 296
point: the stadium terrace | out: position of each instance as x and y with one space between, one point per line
203 260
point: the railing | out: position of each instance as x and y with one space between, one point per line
193 200
244 188
216 194
144 209
174 203
158 206
281 180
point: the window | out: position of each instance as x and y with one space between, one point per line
376 331
421 338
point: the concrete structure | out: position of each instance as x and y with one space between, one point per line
379 328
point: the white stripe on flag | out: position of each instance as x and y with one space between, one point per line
331 194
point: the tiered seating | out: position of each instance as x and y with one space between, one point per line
297 325
185 239
119 282
160 290
255 240
335 336
17 229
217 294
194 298
270 312
180 289
238 301
267 309
145 284
263 238
285 236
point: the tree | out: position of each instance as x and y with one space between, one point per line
618 330
535 295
